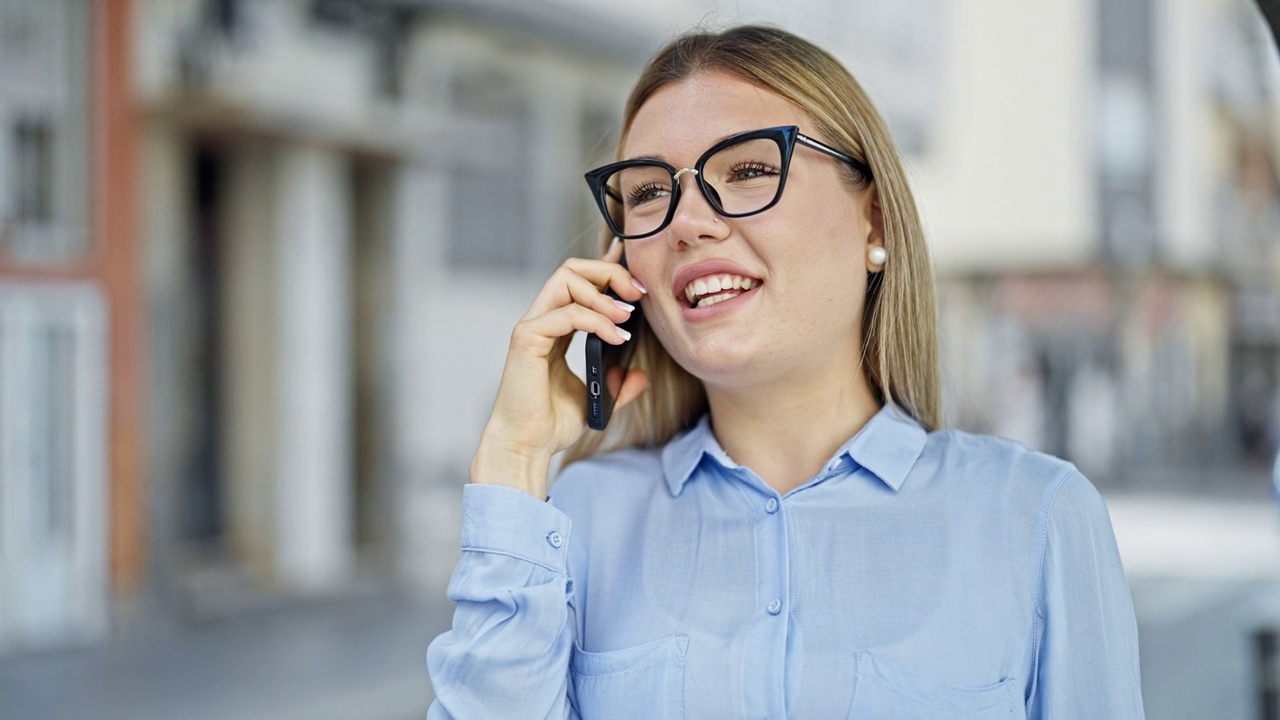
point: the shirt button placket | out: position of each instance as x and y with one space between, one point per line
775 606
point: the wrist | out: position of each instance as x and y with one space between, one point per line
522 468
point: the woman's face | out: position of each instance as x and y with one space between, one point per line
805 258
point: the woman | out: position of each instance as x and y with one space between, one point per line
780 529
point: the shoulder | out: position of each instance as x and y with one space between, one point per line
1003 475
995 463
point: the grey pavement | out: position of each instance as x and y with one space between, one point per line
1195 637
1205 576
341 660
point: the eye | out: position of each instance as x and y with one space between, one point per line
751 171
648 192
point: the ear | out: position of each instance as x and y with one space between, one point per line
873 218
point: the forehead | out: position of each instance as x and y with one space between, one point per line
682 119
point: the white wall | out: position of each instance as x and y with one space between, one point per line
1183 187
1010 183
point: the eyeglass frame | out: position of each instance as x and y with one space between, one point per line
786 136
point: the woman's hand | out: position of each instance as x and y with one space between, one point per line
541 403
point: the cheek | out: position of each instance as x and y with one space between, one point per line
645 264
830 270
643 261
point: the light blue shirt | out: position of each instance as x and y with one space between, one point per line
919 575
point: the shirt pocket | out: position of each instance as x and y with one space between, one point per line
887 691
645 681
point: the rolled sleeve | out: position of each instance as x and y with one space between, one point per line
511 522
507 654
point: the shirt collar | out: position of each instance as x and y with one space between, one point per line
888 446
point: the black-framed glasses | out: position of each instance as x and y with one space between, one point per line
739 176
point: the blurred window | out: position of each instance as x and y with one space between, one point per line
599 144
44 149
1127 162
33 171
490 183
224 15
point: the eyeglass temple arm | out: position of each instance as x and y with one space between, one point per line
820 147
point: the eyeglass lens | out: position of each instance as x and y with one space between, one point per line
741 179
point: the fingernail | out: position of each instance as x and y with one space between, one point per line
613 244
624 306
640 286
625 335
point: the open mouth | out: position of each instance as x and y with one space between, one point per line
708 290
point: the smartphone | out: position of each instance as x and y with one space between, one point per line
603 357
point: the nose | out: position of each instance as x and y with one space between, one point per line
694 220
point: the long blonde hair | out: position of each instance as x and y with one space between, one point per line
900 326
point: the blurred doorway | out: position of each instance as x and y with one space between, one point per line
283 489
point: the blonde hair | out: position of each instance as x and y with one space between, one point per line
899 328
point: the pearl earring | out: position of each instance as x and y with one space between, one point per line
877 255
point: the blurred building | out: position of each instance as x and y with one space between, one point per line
259 267
252 260
69 387
1102 189
347 207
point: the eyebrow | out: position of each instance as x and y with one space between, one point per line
713 142
654 158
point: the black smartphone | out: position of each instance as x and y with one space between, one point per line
603 357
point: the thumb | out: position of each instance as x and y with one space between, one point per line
635 382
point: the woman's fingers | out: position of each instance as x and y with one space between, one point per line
614 252
542 332
608 273
577 279
584 293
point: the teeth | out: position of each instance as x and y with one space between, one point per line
712 300
708 288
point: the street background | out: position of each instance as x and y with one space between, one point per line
260 261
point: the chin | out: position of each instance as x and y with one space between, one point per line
720 366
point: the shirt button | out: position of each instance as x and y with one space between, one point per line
775 607
555 538
772 505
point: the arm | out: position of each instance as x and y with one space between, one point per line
1087 659
507 655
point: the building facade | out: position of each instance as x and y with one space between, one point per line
70 420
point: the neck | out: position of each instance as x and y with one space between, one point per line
785 431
